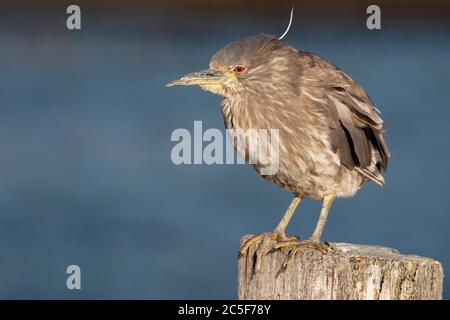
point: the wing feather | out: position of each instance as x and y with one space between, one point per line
357 128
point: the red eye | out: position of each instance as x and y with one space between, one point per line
239 69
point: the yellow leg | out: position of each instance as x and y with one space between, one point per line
278 234
282 225
326 205
314 240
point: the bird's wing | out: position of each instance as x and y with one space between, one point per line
357 128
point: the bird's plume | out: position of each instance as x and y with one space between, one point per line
289 25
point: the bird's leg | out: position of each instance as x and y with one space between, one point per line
280 230
278 234
326 205
314 240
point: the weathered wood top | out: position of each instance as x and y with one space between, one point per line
346 271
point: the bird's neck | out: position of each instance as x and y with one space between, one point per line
238 113
244 113
228 107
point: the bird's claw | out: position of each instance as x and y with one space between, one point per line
323 247
282 242
268 236
266 239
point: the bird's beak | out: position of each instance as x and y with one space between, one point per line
204 77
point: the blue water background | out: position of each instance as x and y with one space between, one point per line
85 171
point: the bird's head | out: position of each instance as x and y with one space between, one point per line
251 65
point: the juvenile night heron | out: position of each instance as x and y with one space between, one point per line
330 133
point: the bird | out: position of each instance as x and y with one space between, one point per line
330 132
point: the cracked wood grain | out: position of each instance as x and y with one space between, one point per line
346 272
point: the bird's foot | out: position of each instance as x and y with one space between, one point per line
267 238
323 247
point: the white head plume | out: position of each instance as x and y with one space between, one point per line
289 25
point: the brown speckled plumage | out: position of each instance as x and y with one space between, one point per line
330 133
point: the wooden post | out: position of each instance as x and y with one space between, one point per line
347 272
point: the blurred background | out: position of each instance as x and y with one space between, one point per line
86 176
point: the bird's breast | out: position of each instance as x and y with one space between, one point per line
307 163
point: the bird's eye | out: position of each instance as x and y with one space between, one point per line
239 69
